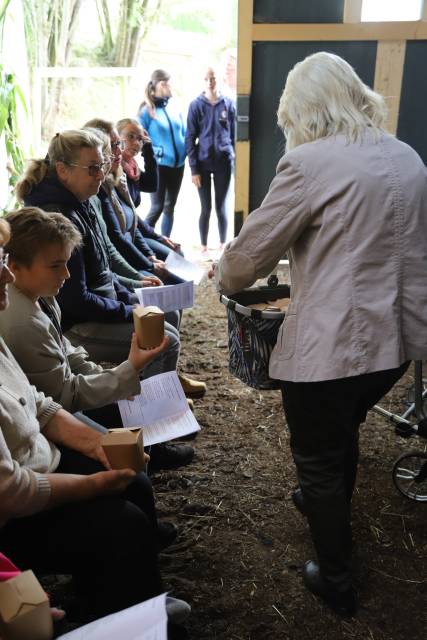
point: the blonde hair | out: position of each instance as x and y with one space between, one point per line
64 147
106 126
125 122
32 229
323 97
4 232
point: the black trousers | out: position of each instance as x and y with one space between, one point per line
108 544
323 419
164 199
221 180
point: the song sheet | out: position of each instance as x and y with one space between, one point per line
144 621
183 268
168 297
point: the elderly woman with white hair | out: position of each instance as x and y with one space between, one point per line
348 204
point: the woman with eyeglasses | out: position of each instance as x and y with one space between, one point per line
166 128
135 141
97 311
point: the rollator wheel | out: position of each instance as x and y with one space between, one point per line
410 475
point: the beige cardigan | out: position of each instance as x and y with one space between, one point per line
353 219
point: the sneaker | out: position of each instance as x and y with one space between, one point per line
166 534
169 456
192 388
177 610
298 500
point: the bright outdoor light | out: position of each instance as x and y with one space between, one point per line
391 10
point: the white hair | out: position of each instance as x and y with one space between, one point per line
323 97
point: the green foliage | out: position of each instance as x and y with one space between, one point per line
200 22
10 96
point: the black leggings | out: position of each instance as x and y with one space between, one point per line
164 200
221 180
108 543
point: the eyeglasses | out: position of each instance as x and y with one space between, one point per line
132 136
4 261
92 169
119 144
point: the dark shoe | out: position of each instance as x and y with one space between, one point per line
298 500
345 603
169 456
166 534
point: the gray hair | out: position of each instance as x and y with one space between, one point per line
323 97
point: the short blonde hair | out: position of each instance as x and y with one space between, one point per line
125 122
4 232
64 147
324 96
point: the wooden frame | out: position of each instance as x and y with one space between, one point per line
391 37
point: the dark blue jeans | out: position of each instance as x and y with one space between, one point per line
164 200
221 180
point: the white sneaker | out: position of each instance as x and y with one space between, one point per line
177 610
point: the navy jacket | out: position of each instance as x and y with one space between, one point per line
92 293
210 133
148 179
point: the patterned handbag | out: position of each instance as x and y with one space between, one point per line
252 334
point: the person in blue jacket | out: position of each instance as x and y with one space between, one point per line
210 149
166 128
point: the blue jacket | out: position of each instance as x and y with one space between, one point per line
210 133
92 293
167 133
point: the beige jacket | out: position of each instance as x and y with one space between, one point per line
353 219
53 365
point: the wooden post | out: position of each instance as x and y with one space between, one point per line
388 77
352 10
244 82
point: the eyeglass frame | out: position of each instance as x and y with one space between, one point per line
4 262
133 136
119 144
97 167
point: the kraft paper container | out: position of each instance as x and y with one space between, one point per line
124 449
149 326
24 609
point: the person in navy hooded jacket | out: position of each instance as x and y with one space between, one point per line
210 149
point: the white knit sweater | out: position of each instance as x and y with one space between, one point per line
25 454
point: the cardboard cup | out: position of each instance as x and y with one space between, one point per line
24 609
124 449
149 326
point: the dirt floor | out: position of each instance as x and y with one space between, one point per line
242 544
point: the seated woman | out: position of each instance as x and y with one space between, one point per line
62 509
135 141
96 309
119 212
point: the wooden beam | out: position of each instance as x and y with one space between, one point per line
351 31
388 77
244 47
352 10
424 11
241 202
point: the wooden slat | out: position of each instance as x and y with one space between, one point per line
352 10
244 47
241 202
388 77
357 31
